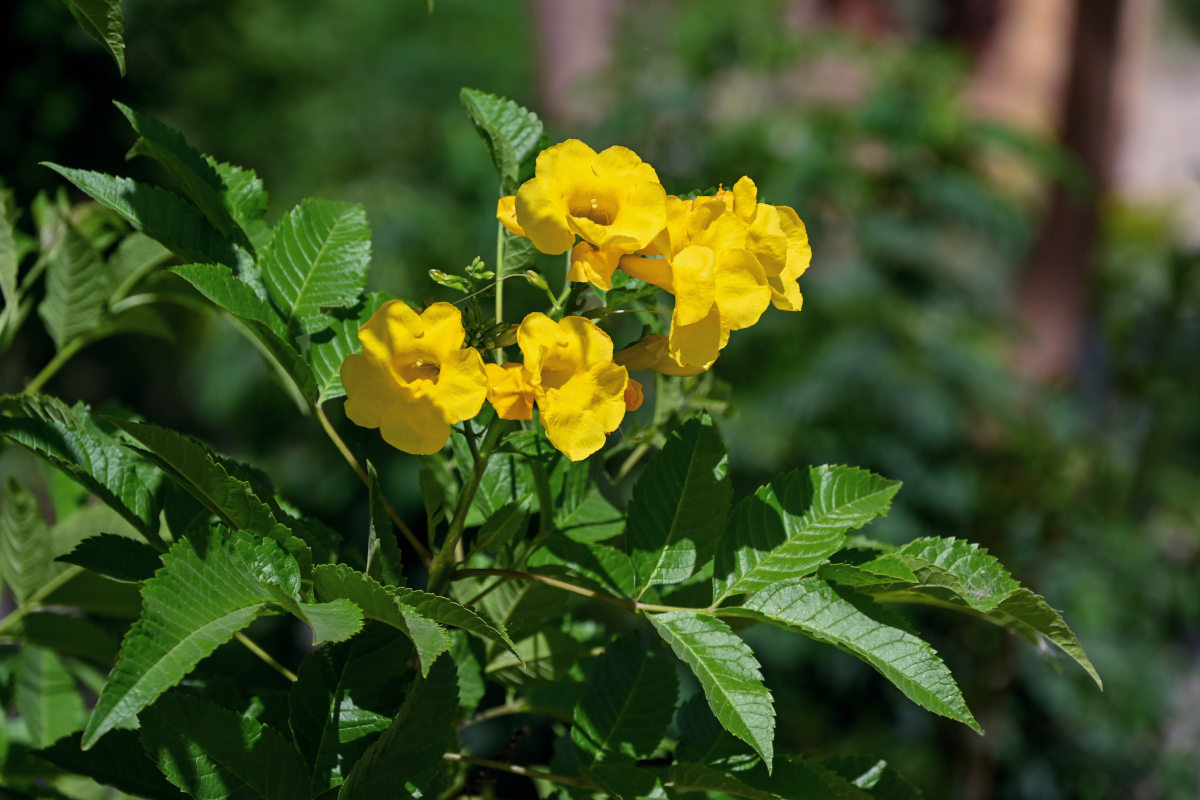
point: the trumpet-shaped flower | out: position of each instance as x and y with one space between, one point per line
414 377
509 390
719 285
611 199
579 391
777 237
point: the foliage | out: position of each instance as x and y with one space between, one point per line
542 595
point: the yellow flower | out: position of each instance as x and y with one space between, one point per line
580 392
777 237
414 377
590 264
610 199
719 284
651 353
506 212
509 390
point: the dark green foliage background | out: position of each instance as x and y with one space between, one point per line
1089 493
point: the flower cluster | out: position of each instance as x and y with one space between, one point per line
724 257
414 379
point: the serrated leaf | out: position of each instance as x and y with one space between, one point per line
404 761
317 258
327 349
383 551
687 777
78 284
70 440
593 519
703 740
9 265
159 214
135 257
679 506
874 776
221 287
25 542
510 132
545 657
214 754
728 673
627 704
335 621
520 607
118 762
859 626
46 696
115 556
607 568
791 526
97 594
334 581
193 173
102 20
345 696
963 576
795 776
196 602
499 529
67 635
449 612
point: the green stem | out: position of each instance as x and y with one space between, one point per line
515 707
31 603
62 357
332 433
632 605
517 769
443 563
498 353
266 658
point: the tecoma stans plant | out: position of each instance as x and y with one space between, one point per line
584 565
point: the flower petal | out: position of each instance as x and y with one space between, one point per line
693 274
745 195
416 427
542 214
506 212
509 390
651 270
742 293
370 390
697 344
595 265
461 386
579 414
634 396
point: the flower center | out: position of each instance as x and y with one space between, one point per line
422 369
600 210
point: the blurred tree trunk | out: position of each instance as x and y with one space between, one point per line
1052 296
575 44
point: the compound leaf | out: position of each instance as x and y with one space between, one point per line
78 285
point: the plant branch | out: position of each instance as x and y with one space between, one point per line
266 657
517 769
62 357
31 603
518 707
632 605
332 433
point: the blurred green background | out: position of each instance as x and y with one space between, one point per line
923 217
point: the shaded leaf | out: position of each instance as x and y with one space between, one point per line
335 621
46 696
544 657
213 754
67 635
118 762
792 526
454 614
607 568
78 284
728 673
102 20
383 551
317 258
24 541
328 348
135 257
115 556
159 214
859 626
679 506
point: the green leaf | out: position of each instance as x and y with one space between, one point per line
499 529
405 760
687 777
159 214
70 440
118 762
102 20
97 594
545 657
792 526
334 581
9 265
383 551
335 621
454 614
874 776
200 598
345 696
593 519
627 704
606 568
795 776
46 696
317 258
965 577
328 348
702 739
244 195
115 556
859 626
193 173
67 635
219 285
25 542
78 284
728 673
213 754
510 132
520 607
679 506
135 257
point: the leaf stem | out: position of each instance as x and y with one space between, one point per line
45 590
500 254
266 657
632 605
332 433
61 357
442 567
518 707
517 769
